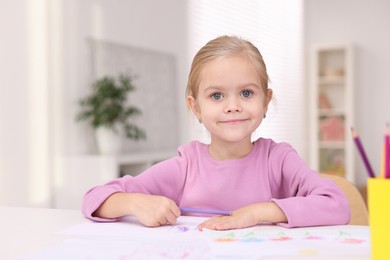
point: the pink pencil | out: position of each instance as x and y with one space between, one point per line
362 153
383 161
387 152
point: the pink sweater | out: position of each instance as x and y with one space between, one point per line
270 172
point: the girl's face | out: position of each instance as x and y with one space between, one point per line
231 101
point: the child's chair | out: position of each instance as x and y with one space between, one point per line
359 213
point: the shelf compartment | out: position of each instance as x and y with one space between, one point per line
331 129
332 161
331 97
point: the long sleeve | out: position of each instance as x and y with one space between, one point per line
166 178
305 197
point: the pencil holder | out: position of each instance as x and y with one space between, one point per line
379 217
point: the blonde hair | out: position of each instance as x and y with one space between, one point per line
221 47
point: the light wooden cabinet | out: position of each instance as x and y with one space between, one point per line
332 109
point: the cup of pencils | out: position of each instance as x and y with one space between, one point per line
379 213
378 198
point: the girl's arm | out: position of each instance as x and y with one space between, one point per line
150 196
305 198
150 210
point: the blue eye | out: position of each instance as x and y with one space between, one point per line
246 93
216 96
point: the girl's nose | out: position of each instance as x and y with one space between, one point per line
232 105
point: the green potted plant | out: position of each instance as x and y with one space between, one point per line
107 111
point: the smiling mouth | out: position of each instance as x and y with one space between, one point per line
233 121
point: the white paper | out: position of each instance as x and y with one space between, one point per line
186 227
129 239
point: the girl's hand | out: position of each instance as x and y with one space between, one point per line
150 210
154 211
246 217
240 218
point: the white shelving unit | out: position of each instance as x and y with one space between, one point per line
74 175
331 109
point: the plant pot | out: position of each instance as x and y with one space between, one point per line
109 141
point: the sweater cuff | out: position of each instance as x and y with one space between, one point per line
281 206
93 201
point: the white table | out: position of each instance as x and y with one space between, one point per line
26 230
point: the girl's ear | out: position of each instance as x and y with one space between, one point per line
193 105
268 99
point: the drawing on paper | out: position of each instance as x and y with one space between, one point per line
183 228
253 235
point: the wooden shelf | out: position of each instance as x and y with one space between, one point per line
331 145
331 112
331 109
331 80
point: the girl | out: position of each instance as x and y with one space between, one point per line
260 181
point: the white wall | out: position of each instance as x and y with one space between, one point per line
364 23
149 24
14 157
161 26
155 25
